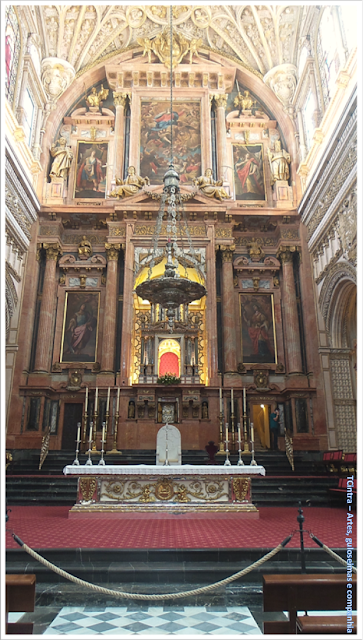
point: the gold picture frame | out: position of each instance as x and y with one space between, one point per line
91 170
258 329
80 327
249 172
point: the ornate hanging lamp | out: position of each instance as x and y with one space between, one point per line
170 290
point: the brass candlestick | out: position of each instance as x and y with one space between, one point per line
221 442
114 448
227 462
107 415
246 448
232 429
94 448
85 418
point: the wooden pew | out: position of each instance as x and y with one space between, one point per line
20 596
306 592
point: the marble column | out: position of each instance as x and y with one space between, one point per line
221 103
292 332
47 309
228 314
109 323
128 307
211 308
119 100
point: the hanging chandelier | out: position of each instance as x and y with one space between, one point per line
171 289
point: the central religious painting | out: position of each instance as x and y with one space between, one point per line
155 142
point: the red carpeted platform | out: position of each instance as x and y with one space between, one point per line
50 527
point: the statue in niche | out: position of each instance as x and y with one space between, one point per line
63 157
131 186
211 188
244 102
84 249
279 161
94 100
131 409
255 251
204 409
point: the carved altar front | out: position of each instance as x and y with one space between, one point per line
141 489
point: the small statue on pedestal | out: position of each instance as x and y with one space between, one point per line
84 249
94 100
211 188
279 161
129 187
244 102
63 157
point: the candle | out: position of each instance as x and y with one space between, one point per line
108 400
118 400
86 401
78 431
244 399
227 432
220 401
239 432
232 411
103 434
96 400
252 433
90 433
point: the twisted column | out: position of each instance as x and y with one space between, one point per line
221 103
109 323
229 332
119 100
292 333
47 309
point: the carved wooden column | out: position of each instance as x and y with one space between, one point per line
292 332
211 309
228 315
109 323
221 103
128 307
119 100
47 309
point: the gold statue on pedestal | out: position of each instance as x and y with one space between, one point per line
279 161
84 249
244 102
94 100
130 186
211 188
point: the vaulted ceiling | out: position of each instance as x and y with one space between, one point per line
261 36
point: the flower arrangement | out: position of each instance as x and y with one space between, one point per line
169 378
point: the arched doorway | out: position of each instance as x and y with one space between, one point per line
169 358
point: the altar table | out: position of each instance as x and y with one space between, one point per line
194 489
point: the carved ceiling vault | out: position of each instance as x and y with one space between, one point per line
261 36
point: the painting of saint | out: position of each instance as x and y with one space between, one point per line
155 142
248 172
80 327
91 170
258 328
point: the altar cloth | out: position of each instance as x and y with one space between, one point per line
153 470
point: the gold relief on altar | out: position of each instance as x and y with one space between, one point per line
203 490
87 488
155 139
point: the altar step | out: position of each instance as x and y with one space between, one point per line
159 568
266 491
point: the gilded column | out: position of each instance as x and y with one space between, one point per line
119 100
221 103
47 309
109 323
128 309
211 311
228 315
293 349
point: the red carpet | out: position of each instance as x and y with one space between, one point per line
50 527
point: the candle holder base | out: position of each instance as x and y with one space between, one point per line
227 463
254 463
101 463
221 450
246 448
75 463
113 451
89 462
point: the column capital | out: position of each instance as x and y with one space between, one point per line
285 254
227 252
52 251
221 100
112 250
120 99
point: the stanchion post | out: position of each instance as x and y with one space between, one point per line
300 519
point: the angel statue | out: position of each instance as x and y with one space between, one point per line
94 100
211 188
130 186
147 44
279 161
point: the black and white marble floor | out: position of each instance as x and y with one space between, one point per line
218 621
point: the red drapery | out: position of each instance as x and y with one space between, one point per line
169 364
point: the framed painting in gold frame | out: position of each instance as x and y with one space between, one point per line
258 328
248 172
91 168
80 327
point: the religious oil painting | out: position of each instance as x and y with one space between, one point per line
91 170
249 179
80 327
258 328
155 139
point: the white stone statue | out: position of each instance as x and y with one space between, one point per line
168 446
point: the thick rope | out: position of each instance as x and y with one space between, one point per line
338 558
140 596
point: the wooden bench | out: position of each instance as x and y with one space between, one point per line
306 592
342 487
331 461
20 596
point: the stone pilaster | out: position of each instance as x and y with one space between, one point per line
109 323
228 317
128 310
292 333
221 103
47 309
120 101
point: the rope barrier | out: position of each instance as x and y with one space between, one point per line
331 552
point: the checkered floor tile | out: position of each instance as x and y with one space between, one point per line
154 621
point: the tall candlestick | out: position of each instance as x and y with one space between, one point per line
227 434
239 432
108 400
118 400
220 401
232 400
103 433
86 401
252 433
96 400
90 433
244 399
78 431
